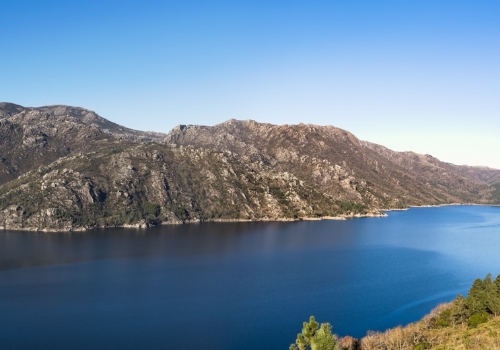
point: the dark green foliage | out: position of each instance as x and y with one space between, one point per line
278 194
315 336
497 284
128 216
477 298
484 297
477 319
444 319
351 207
459 313
150 210
282 199
456 313
180 211
482 301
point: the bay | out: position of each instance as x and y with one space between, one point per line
238 285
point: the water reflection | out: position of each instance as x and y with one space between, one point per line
238 285
20 249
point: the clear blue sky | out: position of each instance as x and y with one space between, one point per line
421 75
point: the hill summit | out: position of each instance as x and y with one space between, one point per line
67 168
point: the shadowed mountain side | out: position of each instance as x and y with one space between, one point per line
9 109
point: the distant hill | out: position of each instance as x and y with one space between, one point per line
66 168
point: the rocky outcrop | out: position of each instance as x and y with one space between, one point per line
339 163
34 137
148 184
65 168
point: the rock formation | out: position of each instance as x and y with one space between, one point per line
66 168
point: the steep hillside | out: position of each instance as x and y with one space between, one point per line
65 168
33 137
340 164
145 184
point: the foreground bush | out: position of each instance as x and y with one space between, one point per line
315 337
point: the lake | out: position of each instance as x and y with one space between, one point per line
238 285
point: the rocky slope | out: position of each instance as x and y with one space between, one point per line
338 163
66 168
32 137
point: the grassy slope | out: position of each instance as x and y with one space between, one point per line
472 322
420 336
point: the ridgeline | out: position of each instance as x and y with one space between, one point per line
66 168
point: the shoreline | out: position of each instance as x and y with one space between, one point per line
143 225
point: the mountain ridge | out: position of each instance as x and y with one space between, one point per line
67 168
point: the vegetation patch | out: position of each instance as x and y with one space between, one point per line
496 193
471 322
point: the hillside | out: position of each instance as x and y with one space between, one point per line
471 322
33 137
66 168
340 164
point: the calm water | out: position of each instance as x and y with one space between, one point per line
238 286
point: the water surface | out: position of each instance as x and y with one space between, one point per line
238 285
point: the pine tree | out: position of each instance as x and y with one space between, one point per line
492 296
315 337
476 299
324 339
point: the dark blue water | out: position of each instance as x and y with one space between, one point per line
241 285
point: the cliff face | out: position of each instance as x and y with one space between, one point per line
66 168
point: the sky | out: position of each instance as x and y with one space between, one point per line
419 75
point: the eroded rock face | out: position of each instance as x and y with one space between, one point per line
65 168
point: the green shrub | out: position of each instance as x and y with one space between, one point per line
442 320
180 211
150 210
477 319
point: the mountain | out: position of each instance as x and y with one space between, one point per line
339 164
33 137
66 168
